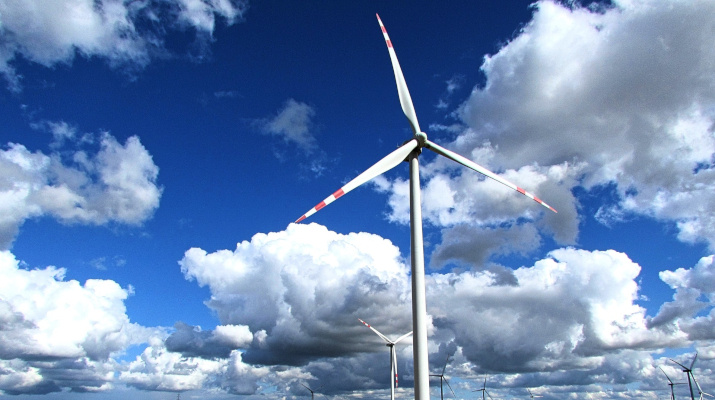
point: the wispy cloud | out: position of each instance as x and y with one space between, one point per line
294 124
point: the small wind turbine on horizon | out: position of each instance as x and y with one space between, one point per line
442 379
484 390
531 394
410 151
393 356
312 392
671 384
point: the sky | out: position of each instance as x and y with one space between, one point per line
155 153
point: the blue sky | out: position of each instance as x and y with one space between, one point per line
154 155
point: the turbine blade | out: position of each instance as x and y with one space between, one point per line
490 396
445 365
666 375
449 386
394 363
376 331
382 166
402 91
693 363
684 367
402 337
472 165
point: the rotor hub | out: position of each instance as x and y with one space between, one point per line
422 138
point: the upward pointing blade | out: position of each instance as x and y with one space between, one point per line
471 164
382 166
405 99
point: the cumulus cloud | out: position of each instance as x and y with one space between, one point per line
191 341
300 291
60 334
620 96
116 183
160 369
125 33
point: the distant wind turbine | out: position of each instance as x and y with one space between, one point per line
688 373
410 151
393 356
443 379
531 394
312 392
484 390
671 384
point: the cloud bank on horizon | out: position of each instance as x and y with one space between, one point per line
619 97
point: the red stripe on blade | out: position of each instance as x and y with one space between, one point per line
520 190
320 206
338 193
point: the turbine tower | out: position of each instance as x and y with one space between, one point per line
393 356
443 379
689 374
410 151
671 384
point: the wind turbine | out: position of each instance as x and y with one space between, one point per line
393 356
671 384
531 394
484 390
689 373
410 151
312 392
443 379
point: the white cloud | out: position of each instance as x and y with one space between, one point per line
294 124
60 334
572 309
159 369
300 291
118 31
46 317
622 96
116 183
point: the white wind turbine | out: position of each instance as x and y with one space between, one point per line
484 390
689 373
393 356
410 152
443 379
312 392
531 394
671 384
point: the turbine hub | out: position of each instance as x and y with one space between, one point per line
421 137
